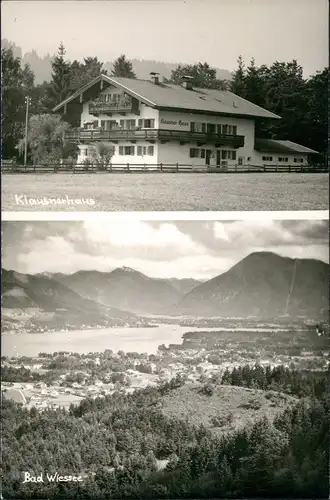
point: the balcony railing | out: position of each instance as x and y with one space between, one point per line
99 108
235 141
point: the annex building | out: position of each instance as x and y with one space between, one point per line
152 123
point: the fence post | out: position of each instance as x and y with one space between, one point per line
264 168
110 167
161 167
177 167
127 167
276 167
289 168
235 167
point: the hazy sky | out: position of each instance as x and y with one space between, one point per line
185 249
216 31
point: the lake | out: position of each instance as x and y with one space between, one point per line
95 340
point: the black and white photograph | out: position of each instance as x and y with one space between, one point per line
163 359
166 105
164 250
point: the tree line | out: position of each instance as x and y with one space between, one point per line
280 87
127 448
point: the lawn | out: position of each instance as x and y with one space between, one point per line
168 192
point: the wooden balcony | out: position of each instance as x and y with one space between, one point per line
82 135
104 108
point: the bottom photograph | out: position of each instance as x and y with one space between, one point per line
165 359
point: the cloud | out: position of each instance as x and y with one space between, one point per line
162 249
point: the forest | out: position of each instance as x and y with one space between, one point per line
125 447
281 87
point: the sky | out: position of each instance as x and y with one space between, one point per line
187 249
216 31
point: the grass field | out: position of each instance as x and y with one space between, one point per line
245 406
168 192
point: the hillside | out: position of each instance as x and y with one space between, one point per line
41 65
227 409
45 300
263 285
128 289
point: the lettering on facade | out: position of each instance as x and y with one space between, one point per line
179 123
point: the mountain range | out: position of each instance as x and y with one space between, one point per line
128 289
41 65
54 304
263 284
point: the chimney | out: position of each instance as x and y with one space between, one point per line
154 77
187 82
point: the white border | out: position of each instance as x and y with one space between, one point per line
145 216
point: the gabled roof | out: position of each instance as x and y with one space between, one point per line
275 146
175 97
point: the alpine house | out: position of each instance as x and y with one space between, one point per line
149 123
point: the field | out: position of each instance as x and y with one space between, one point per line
169 192
244 406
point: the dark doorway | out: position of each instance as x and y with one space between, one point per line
218 158
207 157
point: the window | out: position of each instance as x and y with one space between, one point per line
211 128
225 129
149 123
122 123
192 126
126 150
281 158
249 158
130 124
230 129
199 127
267 158
298 160
241 160
145 150
234 129
228 155
197 153
103 124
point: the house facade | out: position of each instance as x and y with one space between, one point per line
151 123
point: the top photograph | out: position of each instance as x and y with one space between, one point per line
196 105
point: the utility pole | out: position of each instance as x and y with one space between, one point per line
27 102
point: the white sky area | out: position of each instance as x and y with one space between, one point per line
216 31
190 249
